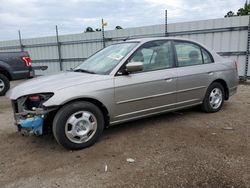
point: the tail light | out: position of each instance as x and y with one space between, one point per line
27 60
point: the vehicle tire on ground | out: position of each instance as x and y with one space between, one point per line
4 84
214 98
78 125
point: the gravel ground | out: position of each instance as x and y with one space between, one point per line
187 148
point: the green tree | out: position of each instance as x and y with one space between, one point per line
89 29
230 14
241 12
244 10
118 27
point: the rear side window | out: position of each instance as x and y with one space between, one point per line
206 56
191 54
188 54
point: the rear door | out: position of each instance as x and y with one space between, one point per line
194 72
151 90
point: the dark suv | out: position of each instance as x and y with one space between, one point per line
14 66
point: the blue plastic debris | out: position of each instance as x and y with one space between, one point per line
33 124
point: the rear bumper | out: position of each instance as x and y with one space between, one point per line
232 91
32 73
17 75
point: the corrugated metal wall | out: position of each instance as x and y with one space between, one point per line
227 36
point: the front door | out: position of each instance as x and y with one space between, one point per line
151 90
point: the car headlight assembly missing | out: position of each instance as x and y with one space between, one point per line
30 113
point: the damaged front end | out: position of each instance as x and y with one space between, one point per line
30 114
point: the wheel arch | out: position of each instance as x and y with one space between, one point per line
5 73
96 102
224 84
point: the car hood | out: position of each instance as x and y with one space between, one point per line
48 84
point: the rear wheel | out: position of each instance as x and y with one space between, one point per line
78 125
214 98
4 84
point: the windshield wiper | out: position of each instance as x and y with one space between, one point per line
83 70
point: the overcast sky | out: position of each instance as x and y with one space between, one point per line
38 17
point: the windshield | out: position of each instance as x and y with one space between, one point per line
104 61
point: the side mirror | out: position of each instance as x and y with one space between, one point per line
134 67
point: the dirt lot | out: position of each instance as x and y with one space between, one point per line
183 149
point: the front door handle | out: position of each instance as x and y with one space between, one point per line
210 73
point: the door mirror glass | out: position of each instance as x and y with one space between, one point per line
134 67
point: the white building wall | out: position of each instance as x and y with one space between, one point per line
221 35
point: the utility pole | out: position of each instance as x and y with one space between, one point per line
103 37
59 50
247 49
20 41
166 23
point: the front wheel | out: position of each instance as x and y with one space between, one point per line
214 98
78 125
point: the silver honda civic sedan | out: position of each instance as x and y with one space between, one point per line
123 82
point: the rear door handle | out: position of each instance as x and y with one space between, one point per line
168 79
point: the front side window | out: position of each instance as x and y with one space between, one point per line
188 54
154 55
104 61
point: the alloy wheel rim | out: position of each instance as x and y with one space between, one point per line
215 98
81 127
2 85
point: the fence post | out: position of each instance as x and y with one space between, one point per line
20 41
166 23
247 50
59 49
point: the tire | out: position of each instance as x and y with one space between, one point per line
214 98
4 84
78 125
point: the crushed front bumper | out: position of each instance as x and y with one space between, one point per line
31 125
29 121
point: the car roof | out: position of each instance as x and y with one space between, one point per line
143 40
